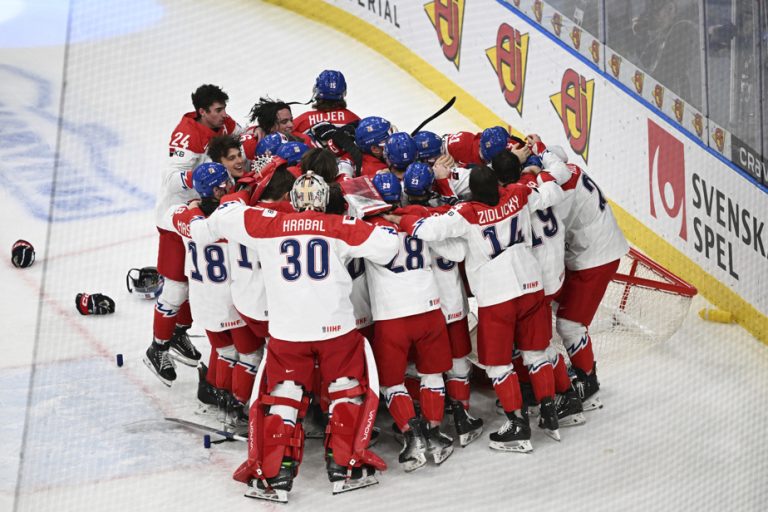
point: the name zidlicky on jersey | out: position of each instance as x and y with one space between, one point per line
500 212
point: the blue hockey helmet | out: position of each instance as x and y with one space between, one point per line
418 179
532 160
492 142
270 143
428 144
388 186
400 150
292 152
371 131
209 176
330 85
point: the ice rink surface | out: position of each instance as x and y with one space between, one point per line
83 134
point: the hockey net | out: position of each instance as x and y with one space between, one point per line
644 304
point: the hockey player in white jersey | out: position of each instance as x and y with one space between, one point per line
506 280
405 303
303 257
186 150
423 200
594 244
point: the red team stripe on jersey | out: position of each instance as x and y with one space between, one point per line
261 223
574 180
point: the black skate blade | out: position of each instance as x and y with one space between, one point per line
274 495
592 404
182 359
511 446
468 437
572 420
152 369
341 486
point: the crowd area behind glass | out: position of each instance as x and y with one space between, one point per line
712 53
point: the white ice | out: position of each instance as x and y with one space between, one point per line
683 426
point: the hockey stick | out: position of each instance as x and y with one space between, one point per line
199 426
434 116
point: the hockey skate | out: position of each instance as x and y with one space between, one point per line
569 409
345 479
207 394
513 436
182 348
275 488
159 362
548 418
235 414
439 445
467 428
587 386
413 455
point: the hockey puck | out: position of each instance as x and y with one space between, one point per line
119 359
206 441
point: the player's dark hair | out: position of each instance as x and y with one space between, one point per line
484 185
280 183
507 167
264 113
327 105
219 146
322 161
336 202
206 95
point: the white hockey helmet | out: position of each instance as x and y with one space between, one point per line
310 192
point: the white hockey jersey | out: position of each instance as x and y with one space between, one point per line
303 258
499 263
592 236
207 266
405 285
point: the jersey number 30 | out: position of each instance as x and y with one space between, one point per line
315 259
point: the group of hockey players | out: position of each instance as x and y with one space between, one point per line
329 259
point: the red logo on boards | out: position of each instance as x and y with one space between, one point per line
576 37
594 50
573 105
557 23
509 59
538 10
447 16
615 63
666 176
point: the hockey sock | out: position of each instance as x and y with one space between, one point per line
542 380
413 385
400 405
184 316
520 369
507 388
581 354
164 323
244 374
224 366
213 359
432 395
562 380
457 381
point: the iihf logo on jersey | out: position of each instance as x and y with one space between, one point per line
447 16
573 105
509 59
666 178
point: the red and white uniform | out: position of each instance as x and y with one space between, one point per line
371 165
186 151
339 117
464 147
303 257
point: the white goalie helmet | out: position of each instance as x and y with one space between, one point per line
310 192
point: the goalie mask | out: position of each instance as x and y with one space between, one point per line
309 192
146 282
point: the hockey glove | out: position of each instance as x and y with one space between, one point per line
247 182
94 304
323 132
22 254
